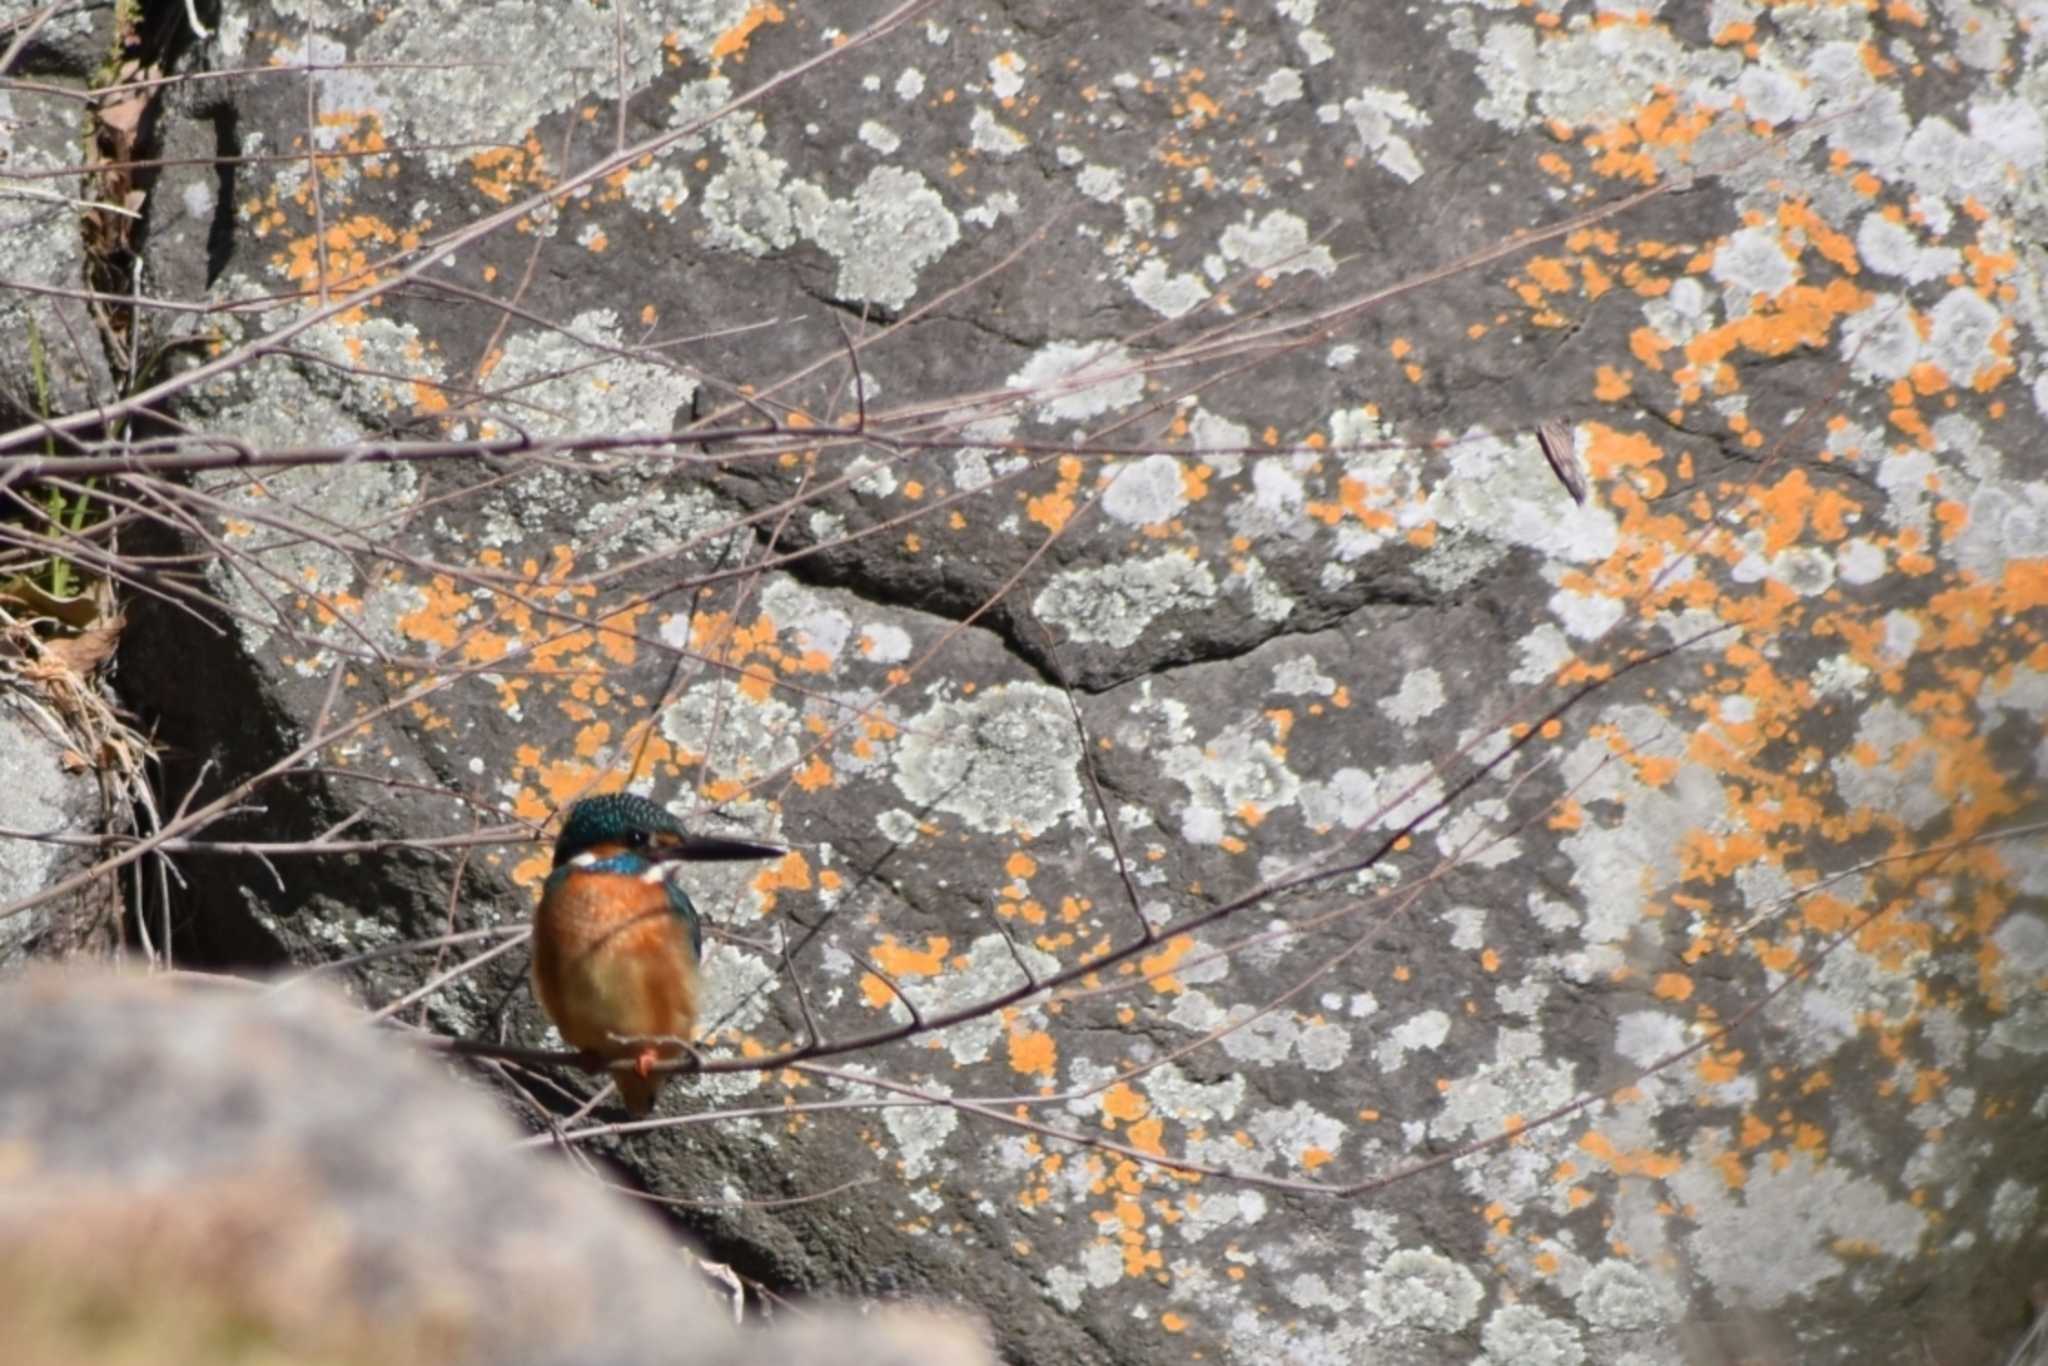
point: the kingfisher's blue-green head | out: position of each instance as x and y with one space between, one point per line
621 823
616 821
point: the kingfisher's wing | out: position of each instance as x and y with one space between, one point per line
685 910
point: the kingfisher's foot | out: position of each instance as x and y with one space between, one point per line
644 1064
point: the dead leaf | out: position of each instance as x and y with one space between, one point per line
1560 448
86 653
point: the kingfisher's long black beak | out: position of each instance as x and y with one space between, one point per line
709 849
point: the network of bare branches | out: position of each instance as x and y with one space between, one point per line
213 527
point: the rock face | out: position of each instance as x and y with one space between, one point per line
1275 877
194 1172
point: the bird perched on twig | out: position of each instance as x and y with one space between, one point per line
616 943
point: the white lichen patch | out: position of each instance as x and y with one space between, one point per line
1284 1138
1891 767
1376 114
892 227
1503 491
1281 86
661 519
1006 75
920 1132
1753 261
1277 244
882 643
1421 693
1167 294
1521 1335
737 985
1425 1029
1422 1288
988 134
1004 760
1146 492
880 136
1179 1097
1519 1080
740 736
1805 1213
1353 798
1237 769
1074 381
563 392
1117 603
1619 1296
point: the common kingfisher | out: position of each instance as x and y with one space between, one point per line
616 943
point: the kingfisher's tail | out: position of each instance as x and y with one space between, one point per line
638 1092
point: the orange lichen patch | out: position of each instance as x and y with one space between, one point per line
1801 223
618 634
815 775
499 173
1797 316
1172 1322
792 873
1313 1157
436 619
1147 1136
1633 1162
591 738
1611 385
1732 1168
1158 967
1718 1069
1784 506
900 960
563 782
1927 379
720 790
1706 857
1051 510
1032 1052
1122 1102
336 259
1551 275
734 40
1020 865
1673 986
1648 347
533 870
1654 770
757 681
1778 957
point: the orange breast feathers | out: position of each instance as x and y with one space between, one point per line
615 968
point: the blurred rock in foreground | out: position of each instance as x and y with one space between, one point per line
215 1174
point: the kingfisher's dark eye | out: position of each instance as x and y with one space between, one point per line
636 838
